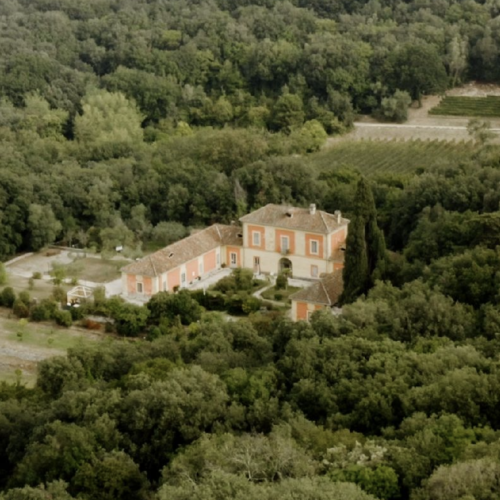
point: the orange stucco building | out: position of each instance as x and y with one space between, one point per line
323 294
184 261
305 241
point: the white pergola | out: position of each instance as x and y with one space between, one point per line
79 294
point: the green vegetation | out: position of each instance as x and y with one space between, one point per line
124 123
279 294
365 255
96 270
385 157
488 106
119 117
34 334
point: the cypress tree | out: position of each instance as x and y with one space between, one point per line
365 257
355 273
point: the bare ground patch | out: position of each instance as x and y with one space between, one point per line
99 270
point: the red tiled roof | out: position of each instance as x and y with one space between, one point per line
184 250
302 219
325 292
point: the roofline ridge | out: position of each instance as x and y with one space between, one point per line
324 221
153 264
326 293
257 210
218 231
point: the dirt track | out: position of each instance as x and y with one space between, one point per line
421 125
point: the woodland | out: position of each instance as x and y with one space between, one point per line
128 122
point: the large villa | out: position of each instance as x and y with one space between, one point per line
307 242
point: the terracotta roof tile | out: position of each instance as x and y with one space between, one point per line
327 291
184 250
302 219
338 255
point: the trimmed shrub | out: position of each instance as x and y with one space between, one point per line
281 281
251 304
7 297
24 297
20 309
43 311
63 318
77 313
234 303
59 295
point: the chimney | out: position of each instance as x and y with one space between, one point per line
312 208
338 213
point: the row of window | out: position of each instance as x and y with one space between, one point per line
233 260
285 243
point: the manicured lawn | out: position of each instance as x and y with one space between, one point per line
279 295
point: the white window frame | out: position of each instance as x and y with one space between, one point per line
314 271
139 287
256 238
286 240
165 286
233 258
183 278
311 244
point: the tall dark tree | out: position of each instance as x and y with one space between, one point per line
365 253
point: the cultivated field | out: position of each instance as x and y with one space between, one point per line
403 157
424 125
488 106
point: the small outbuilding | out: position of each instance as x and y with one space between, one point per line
323 294
78 295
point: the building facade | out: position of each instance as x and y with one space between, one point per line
323 294
183 262
306 242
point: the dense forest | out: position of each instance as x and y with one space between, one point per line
127 114
129 122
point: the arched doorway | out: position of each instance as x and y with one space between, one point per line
285 265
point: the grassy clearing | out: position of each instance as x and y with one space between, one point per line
488 106
41 289
36 335
23 345
44 335
399 157
100 270
26 378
